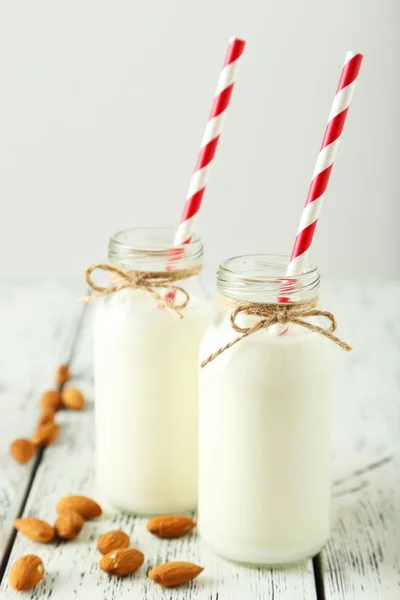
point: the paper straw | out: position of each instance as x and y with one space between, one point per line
209 142
208 148
323 168
324 165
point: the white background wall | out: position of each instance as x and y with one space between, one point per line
103 105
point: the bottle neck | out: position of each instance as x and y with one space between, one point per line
261 278
151 249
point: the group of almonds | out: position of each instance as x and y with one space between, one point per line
47 430
118 559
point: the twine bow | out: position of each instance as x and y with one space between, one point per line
147 281
274 314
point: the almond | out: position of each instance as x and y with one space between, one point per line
170 526
122 562
73 399
68 524
62 374
46 416
26 572
112 540
51 399
174 573
46 434
22 450
86 507
35 529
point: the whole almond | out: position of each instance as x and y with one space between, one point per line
170 526
174 573
73 399
35 529
112 540
26 572
68 524
22 450
51 399
46 416
62 374
86 507
46 434
122 562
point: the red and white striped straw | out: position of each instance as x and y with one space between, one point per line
325 160
209 143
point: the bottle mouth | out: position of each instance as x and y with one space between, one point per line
152 249
262 278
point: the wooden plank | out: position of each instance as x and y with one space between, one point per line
35 324
362 559
72 568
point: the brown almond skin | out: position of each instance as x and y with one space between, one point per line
170 574
51 399
122 562
73 399
112 540
22 450
46 416
68 524
26 572
62 374
170 526
86 507
35 529
45 435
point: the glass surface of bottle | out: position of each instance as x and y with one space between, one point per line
264 419
146 380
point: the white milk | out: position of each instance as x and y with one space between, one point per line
264 472
146 385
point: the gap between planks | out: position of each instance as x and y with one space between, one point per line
319 577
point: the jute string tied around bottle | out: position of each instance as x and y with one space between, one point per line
147 281
274 314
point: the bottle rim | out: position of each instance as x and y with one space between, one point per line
152 249
262 278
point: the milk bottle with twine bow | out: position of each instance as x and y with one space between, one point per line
145 371
265 392
264 414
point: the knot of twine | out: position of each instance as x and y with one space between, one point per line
147 281
274 314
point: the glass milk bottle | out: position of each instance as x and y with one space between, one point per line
264 418
146 379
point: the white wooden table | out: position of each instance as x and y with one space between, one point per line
40 326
